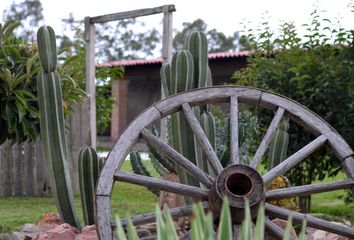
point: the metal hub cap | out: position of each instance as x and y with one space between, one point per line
237 182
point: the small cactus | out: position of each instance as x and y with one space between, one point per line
90 166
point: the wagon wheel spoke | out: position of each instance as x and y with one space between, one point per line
274 230
161 185
201 137
234 145
294 159
150 217
306 190
311 221
267 138
172 154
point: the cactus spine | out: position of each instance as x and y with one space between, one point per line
189 69
89 168
279 144
52 126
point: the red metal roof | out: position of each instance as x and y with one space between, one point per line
159 60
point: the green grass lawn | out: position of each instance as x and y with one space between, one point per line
128 199
332 203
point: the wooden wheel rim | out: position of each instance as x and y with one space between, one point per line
300 114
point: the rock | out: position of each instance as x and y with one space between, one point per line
7 236
28 232
88 233
323 235
49 221
282 224
61 232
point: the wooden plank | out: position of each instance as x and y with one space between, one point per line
18 176
130 14
1 172
7 160
30 173
90 38
103 224
162 185
294 159
202 139
273 229
314 222
307 190
179 159
207 96
151 217
234 144
267 138
40 169
122 147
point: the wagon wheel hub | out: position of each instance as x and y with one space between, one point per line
237 182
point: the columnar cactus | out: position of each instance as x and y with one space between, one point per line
189 69
52 126
279 144
89 168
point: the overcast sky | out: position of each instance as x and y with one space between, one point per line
225 15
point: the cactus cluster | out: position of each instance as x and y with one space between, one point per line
189 69
52 126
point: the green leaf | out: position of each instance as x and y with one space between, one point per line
225 225
259 229
132 235
120 231
288 228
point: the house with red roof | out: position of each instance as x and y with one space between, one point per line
141 85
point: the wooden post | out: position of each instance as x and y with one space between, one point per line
90 37
166 57
90 55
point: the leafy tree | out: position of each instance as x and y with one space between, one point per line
217 41
317 71
18 86
29 13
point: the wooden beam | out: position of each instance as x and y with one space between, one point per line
307 190
234 145
175 156
274 230
151 217
202 139
294 159
162 185
130 14
314 222
267 138
90 38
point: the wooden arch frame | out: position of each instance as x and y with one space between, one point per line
90 37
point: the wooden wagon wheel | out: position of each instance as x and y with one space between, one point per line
228 180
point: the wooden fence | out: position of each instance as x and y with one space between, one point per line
23 169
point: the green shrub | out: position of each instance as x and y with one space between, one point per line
19 65
316 70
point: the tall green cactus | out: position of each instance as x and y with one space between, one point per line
189 69
90 166
52 126
279 144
